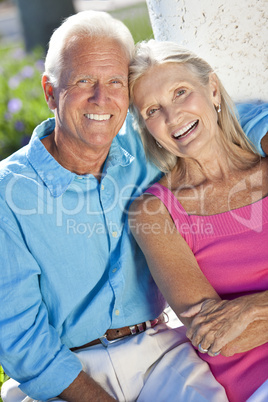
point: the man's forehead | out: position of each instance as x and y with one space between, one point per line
94 60
94 47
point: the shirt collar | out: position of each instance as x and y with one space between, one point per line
56 178
117 154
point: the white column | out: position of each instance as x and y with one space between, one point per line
231 35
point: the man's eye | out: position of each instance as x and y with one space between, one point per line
117 83
84 83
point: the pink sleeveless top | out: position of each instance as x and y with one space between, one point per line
231 249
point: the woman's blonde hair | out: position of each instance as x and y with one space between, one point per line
154 53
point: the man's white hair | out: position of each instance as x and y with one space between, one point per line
90 24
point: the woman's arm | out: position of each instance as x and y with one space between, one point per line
178 276
171 261
248 339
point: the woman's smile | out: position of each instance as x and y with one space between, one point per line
178 111
185 131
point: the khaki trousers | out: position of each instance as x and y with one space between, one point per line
158 365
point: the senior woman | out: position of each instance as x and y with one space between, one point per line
204 226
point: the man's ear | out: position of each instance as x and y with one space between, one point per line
49 93
215 89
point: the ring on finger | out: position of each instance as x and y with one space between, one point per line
216 353
201 349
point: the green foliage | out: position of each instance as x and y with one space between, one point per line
22 103
137 20
3 378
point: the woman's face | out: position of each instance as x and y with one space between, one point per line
178 110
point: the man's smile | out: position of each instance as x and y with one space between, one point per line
98 117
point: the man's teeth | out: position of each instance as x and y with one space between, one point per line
185 129
98 116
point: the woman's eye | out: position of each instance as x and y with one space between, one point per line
151 112
180 92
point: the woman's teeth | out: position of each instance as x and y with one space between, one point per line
185 130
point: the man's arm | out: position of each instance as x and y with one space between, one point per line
254 121
31 351
85 389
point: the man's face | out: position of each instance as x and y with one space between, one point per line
92 96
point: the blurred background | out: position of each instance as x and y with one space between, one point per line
25 29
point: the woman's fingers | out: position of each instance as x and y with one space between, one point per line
192 311
217 323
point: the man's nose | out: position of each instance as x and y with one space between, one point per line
100 94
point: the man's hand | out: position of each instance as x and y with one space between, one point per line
85 389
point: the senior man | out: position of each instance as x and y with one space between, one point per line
81 317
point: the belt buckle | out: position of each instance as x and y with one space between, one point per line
105 342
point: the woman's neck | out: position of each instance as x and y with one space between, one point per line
218 164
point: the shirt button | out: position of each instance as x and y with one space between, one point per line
117 312
114 234
102 187
114 270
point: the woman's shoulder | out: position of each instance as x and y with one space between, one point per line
148 205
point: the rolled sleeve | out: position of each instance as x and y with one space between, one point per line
30 351
254 121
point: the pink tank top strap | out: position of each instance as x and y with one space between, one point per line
180 217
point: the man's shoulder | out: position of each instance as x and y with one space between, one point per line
15 164
129 137
19 162
129 140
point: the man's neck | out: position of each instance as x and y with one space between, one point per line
80 160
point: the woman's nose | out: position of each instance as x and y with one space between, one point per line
172 114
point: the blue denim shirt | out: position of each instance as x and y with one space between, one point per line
70 269
253 119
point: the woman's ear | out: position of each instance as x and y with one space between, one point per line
49 92
215 89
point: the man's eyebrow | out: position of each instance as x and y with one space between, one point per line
93 78
85 76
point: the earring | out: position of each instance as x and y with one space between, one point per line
159 145
218 108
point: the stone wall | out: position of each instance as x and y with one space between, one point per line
231 35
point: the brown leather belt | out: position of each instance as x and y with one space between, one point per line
115 335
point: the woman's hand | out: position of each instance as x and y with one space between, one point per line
264 143
216 323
